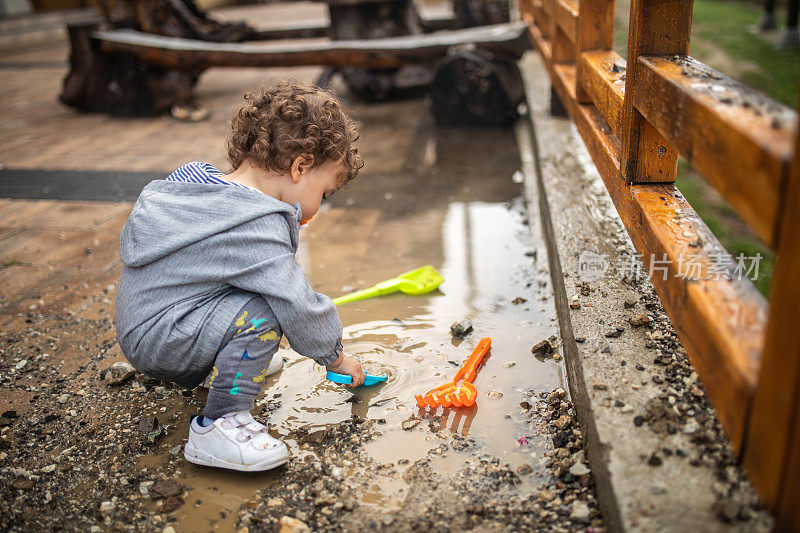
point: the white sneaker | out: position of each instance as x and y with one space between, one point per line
275 366
235 441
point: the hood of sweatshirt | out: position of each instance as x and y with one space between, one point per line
170 215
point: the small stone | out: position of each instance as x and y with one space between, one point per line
49 469
523 470
518 300
22 483
106 507
172 504
580 511
494 394
118 373
575 303
168 529
525 405
542 349
509 364
461 329
599 386
691 427
655 460
21 364
166 488
639 320
579 470
410 423
639 367
613 333
293 525
176 450
630 302
144 487
638 420
64 398
546 495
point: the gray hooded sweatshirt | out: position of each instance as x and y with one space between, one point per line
194 254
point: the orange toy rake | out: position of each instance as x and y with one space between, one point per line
460 392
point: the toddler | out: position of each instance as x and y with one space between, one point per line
210 283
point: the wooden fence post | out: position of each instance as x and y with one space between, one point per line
657 27
595 32
772 449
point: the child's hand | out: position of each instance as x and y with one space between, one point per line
350 367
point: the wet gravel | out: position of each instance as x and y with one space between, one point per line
324 490
72 455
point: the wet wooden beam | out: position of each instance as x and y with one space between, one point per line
595 32
602 74
772 453
657 27
720 321
566 13
502 39
738 139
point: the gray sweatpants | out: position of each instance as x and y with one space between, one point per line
242 362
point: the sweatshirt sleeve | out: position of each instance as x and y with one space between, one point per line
257 259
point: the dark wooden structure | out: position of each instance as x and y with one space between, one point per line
148 54
636 116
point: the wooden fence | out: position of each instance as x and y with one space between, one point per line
635 117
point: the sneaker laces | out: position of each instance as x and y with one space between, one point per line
250 430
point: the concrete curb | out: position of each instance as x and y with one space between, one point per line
656 467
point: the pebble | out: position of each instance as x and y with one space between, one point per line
524 469
509 364
293 525
542 349
580 511
118 373
579 470
691 427
494 394
575 303
461 329
106 507
410 423
21 364
144 487
166 488
172 504
639 320
64 398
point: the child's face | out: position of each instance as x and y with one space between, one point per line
311 183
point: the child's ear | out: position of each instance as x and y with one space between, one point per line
302 163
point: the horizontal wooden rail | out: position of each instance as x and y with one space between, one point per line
187 54
603 74
567 18
739 140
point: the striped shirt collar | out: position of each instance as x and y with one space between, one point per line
201 172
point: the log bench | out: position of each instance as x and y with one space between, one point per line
126 72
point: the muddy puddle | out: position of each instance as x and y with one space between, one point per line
439 197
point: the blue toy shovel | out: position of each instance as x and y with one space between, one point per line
346 380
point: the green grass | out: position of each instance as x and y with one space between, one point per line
729 26
725 224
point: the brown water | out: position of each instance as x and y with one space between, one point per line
440 197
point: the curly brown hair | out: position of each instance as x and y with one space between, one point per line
284 120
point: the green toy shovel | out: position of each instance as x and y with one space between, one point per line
419 281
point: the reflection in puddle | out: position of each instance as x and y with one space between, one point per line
470 225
